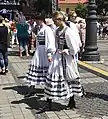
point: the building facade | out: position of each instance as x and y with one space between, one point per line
30 7
68 5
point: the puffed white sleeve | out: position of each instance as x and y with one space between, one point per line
72 41
49 42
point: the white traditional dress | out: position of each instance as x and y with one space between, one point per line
63 76
37 72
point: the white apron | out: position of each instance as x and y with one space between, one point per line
63 77
38 69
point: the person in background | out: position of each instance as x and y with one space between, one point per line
51 24
21 17
3 47
23 37
82 33
14 33
32 37
7 24
105 29
76 31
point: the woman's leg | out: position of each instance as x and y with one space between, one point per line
2 64
26 45
13 38
16 39
26 50
71 103
20 39
5 56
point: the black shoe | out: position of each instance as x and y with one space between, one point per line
6 70
9 47
31 92
46 107
2 73
71 104
83 92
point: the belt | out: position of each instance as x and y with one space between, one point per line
41 42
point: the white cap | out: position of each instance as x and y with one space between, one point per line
49 21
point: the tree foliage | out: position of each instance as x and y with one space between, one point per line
102 7
81 10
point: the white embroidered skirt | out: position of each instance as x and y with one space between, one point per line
60 84
38 69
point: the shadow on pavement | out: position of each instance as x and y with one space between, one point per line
22 90
21 77
36 103
16 53
94 95
33 102
13 53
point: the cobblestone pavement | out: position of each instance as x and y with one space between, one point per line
103 50
8 94
14 106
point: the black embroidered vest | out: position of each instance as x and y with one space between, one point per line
41 38
60 40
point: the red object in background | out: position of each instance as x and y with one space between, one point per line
14 30
72 1
12 27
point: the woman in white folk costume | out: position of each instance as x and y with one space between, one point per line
45 48
63 80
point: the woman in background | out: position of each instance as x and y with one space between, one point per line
23 37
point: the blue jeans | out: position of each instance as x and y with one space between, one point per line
23 42
3 59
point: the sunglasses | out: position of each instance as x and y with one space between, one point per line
56 19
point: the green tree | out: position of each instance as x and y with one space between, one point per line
81 10
102 7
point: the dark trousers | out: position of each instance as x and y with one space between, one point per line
3 59
23 41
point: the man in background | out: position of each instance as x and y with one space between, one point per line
7 24
3 47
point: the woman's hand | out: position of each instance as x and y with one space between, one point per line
65 51
49 58
59 51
